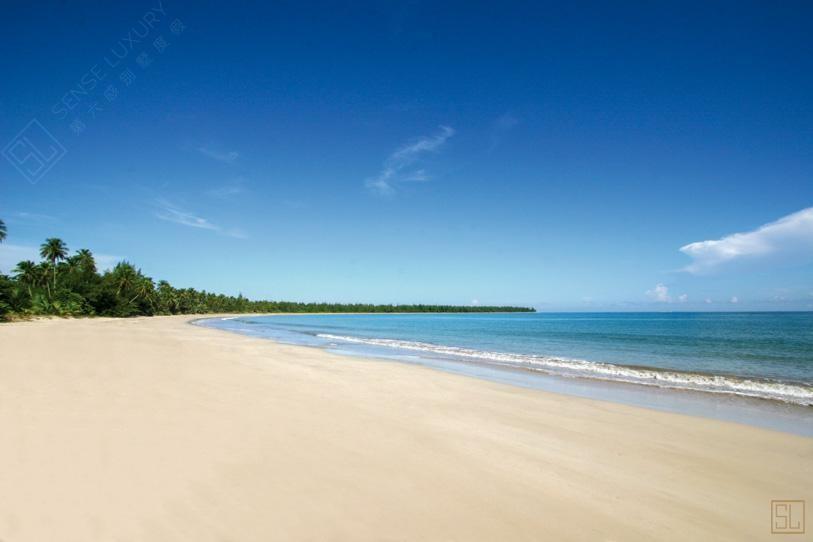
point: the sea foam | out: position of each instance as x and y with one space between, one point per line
788 392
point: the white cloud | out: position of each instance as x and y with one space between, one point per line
708 301
221 156
659 293
790 235
231 188
409 153
397 167
683 298
734 299
171 213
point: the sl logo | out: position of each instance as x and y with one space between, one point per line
788 517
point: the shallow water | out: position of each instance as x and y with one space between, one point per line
753 368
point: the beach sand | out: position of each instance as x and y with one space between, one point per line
152 429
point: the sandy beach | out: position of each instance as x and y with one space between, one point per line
153 429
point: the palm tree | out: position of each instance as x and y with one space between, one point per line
27 273
85 261
2 231
125 277
167 297
71 264
144 287
131 285
54 250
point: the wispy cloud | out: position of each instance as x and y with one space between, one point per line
791 235
237 233
399 166
172 213
23 217
169 212
221 156
231 188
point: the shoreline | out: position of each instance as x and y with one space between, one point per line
768 412
155 429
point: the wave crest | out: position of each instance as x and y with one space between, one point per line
766 389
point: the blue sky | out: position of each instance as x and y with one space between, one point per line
567 157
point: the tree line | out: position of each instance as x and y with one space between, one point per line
65 284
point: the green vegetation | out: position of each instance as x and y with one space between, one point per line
70 285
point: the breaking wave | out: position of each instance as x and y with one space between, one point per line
796 393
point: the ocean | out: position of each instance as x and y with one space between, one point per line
637 358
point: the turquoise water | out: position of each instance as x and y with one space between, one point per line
760 355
